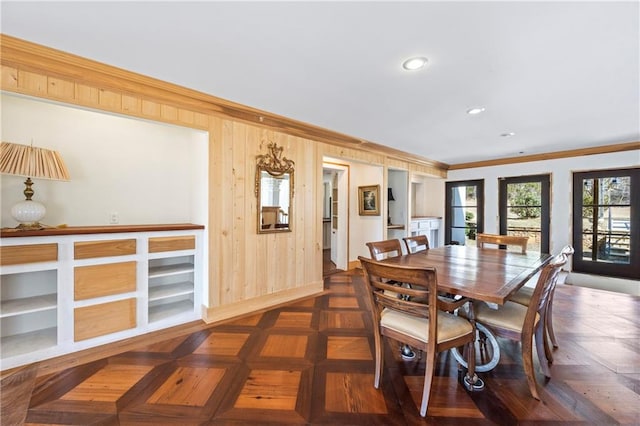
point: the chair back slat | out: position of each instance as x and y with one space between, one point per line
417 243
381 250
507 240
418 284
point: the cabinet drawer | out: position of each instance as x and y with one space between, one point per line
105 318
158 244
104 280
16 255
91 249
434 224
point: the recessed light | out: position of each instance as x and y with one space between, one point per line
508 134
474 111
414 63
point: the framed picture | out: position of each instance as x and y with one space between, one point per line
369 200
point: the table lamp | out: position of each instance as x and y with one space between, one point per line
389 198
29 161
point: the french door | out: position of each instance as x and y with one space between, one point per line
606 222
524 208
464 211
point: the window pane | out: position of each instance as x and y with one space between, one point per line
587 244
587 192
524 194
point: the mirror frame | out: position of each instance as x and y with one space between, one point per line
276 166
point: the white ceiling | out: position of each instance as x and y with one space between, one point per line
561 75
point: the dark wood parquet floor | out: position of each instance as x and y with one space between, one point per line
311 363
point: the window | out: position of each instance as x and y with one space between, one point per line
524 209
606 222
464 211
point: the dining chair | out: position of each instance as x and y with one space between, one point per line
507 240
421 324
416 243
385 249
523 297
521 323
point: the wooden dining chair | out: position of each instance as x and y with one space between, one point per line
521 323
385 249
523 297
507 240
416 243
422 324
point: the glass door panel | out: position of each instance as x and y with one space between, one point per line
524 209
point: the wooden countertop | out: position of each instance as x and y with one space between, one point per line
106 229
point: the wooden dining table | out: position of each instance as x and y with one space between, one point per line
484 274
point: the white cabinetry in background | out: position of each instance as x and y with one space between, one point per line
429 226
65 290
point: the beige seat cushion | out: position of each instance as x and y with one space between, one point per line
449 326
523 296
509 316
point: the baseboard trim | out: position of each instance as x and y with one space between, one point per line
619 285
251 306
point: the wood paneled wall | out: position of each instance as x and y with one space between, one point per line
247 271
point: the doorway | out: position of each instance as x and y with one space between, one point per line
335 217
525 209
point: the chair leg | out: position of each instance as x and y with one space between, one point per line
549 321
429 371
527 361
547 348
541 346
379 359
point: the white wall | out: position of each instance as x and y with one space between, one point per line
147 172
561 186
363 229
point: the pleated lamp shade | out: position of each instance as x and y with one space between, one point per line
31 162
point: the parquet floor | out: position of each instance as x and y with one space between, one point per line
310 363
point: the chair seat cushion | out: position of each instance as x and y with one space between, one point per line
509 316
523 296
449 326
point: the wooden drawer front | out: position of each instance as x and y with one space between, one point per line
91 249
106 318
104 280
16 255
172 243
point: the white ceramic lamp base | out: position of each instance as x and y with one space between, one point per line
28 213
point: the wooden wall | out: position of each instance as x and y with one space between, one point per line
247 271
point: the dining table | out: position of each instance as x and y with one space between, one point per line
480 274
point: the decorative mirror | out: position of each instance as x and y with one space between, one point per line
274 190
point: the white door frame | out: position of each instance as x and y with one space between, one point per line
339 238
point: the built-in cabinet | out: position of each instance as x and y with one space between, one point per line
75 289
429 226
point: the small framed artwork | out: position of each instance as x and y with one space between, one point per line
369 200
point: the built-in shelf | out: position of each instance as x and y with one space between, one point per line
170 290
79 287
27 305
395 226
168 310
168 270
25 343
